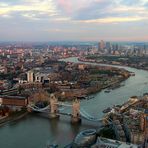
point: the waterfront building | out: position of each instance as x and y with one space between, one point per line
144 126
134 127
109 143
131 120
129 103
30 76
41 77
14 102
119 132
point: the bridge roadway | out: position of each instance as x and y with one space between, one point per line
83 113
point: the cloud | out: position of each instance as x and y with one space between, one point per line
73 19
70 6
96 10
74 10
34 6
65 5
115 20
146 5
130 2
101 10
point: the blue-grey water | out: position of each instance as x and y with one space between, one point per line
34 131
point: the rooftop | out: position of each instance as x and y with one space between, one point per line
13 97
146 111
114 143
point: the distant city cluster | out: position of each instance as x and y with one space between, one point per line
122 49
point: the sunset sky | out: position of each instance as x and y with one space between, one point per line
73 20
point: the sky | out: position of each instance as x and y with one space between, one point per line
73 20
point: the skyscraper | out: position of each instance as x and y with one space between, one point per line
101 45
108 47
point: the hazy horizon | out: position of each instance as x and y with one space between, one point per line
74 20
72 41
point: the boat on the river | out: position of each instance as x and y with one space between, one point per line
107 91
115 86
122 85
52 146
132 74
89 97
85 97
82 97
107 110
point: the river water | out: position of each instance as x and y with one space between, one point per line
35 131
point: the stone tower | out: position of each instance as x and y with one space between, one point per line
53 107
75 111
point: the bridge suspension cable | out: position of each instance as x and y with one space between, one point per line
46 109
85 115
35 108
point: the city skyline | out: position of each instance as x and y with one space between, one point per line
85 20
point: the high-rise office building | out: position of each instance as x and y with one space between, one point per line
101 45
108 47
115 47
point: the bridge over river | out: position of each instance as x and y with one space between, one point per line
54 111
34 131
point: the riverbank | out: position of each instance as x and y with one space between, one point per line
84 93
95 79
12 118
95 60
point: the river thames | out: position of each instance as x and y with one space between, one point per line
35 131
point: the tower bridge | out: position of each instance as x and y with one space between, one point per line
54 110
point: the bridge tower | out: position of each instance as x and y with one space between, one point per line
75 112
53 107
